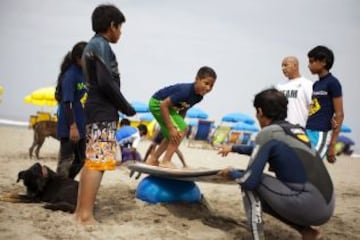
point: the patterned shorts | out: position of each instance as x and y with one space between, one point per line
100 146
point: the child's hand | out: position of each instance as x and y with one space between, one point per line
174 136
334 124
224 150
225 173
74 133
331 158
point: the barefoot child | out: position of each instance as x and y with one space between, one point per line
169 106
155 143
102 107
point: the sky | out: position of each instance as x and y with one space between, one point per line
166 41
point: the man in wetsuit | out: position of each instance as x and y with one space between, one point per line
301 193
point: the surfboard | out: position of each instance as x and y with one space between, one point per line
185 174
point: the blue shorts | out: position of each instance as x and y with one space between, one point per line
319 140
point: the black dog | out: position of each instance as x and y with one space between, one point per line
44 185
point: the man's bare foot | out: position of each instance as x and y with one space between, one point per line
167 164
310 233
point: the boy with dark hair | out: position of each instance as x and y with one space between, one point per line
326 111
301 179
104 102
169 106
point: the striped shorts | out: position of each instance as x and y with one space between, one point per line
320 141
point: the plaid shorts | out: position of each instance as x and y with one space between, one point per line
100 146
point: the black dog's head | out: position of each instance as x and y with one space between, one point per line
35 179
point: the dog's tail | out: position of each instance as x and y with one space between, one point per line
63 206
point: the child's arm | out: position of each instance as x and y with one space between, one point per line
338 118
108 86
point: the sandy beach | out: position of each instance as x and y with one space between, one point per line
122 216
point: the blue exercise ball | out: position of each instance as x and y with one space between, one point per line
162 190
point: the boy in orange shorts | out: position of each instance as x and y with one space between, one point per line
101 108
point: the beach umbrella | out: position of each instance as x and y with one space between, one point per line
238 117
345 140
42 97
45 97
195 112
148 117
140 107
242 126
345 129
192 122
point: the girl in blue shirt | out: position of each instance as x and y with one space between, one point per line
71 118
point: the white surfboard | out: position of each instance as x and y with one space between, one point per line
185 174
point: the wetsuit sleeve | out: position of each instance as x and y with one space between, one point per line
251 177
109 87
247 150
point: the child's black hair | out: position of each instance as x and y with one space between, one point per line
205 71
322 53
104 15
69 59
124 122
142 129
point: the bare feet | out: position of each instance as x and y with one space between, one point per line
167 164
310 233
152 161
85 221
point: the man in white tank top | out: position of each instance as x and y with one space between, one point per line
298 91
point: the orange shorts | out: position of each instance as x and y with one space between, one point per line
100 146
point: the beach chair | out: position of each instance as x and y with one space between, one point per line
234 137
220 135
200 136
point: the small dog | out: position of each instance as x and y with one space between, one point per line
44 185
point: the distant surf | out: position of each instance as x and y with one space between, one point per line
13 123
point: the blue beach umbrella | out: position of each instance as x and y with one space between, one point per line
345 129
195 112
147 117
192 122
238 117
242 126
140 107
